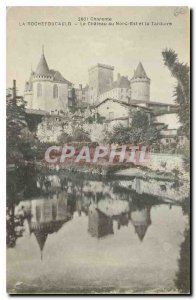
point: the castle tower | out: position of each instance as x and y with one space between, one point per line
41 84
100 80
46 217
141 220
99 225
42 67
140 85
46 89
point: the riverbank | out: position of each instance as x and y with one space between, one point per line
161 166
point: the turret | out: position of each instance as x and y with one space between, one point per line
141 220
140 85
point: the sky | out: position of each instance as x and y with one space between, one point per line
72 50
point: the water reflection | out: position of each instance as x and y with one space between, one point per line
46 216
110 208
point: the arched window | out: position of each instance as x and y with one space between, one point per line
39 90
55 91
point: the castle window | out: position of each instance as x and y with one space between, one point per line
54 212
55 91
39 90
38 213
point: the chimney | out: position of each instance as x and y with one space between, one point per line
80 86
14 91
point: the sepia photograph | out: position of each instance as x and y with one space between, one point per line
98 150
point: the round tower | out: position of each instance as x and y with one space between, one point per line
47 89
140 85
42 84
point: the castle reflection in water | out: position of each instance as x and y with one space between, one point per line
47 216
134 221
54 200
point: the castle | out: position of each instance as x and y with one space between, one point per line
48 90
103 86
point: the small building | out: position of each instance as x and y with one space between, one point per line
112 108
117 112
169 136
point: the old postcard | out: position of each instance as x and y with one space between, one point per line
98 150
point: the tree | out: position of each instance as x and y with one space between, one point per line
15 122
28 144
98 119
80 135
181 72
49 130
64 138
21 142
142 130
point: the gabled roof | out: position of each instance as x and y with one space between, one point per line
155 103
128 105
57 76
140 72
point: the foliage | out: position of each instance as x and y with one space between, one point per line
80 135
142 130
48 130
28 144
21 143
64 138
182 280
77 135
181 72
169 148
15 122
99 119
97 132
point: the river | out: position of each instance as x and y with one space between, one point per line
71 233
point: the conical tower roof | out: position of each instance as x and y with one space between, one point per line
141 231
140 72
41 238
42 67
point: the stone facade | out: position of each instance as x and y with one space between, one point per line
112 109
119 90
137 89
100 80
140 85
